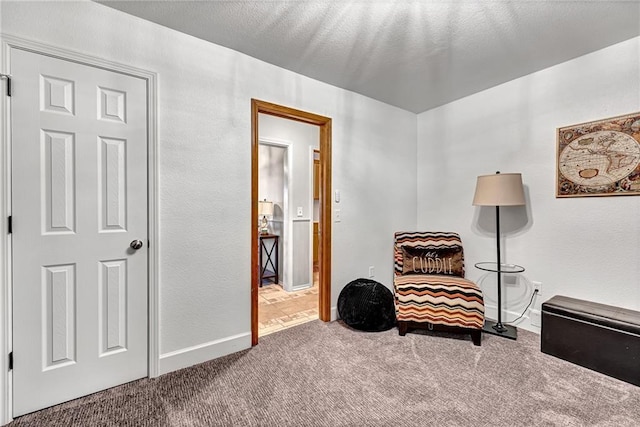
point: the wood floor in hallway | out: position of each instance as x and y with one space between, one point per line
278 309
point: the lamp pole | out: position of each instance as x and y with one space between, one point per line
499 327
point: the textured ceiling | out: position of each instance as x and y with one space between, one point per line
412 54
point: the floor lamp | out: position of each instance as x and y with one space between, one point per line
499 190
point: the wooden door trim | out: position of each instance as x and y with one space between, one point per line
324 256
9 42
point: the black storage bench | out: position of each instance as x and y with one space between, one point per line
597 336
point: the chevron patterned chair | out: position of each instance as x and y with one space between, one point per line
429 285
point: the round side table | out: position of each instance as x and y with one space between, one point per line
497 328
504 268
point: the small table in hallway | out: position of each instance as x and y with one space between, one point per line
271 259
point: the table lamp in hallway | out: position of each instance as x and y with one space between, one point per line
265 209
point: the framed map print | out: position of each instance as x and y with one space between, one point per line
600 158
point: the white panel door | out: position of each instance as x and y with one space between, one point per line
79 198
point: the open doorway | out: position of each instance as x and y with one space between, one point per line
287 291
324 214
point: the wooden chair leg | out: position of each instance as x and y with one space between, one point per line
402 328
476 336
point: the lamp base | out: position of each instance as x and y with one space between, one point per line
507 331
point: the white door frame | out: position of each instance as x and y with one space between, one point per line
311 209
10 42
287 258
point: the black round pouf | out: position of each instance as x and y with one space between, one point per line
367 305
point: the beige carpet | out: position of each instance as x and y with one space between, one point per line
319 374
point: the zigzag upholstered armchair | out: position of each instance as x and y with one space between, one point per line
429 285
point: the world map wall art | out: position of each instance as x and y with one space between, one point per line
600 158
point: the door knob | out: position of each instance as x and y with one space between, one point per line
136 244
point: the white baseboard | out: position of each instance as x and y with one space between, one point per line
190 356
334 313
301 287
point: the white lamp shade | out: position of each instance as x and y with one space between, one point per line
265 208
500 189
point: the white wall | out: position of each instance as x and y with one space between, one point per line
271 177
205 166
581 247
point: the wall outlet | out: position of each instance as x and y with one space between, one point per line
372 271
336 216
299 210
537 286
535 319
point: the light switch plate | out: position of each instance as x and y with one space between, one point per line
336 216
